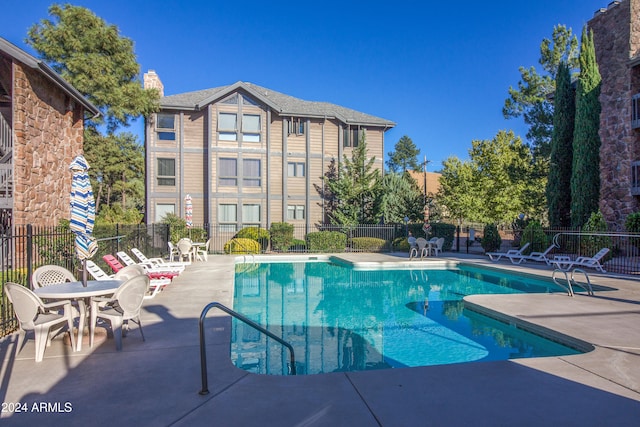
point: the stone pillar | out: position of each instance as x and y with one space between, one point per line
151 80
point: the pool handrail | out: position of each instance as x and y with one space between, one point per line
203 352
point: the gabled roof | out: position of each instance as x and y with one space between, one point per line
20 55
284 105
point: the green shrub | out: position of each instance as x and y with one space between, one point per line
368 244
590 245
326 241
401 244
298 245
241 246
281 236
535 236
258 234
448 231
491 241
632 223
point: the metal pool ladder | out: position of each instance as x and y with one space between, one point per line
571 280
203 352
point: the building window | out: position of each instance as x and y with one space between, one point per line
297 126
352 136
228 172
251 127
166 171
228 217
251 215
227 126
166 127
635 178
162 209
295 212
296 169
251 173
635 111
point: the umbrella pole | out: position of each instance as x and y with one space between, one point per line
84 273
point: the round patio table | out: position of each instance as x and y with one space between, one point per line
76 291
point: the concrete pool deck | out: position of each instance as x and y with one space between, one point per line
157 382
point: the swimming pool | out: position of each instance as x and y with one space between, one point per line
338 318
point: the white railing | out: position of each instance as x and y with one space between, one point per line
6 137
6 185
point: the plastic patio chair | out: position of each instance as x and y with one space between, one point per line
46 275
34 315
124 305
203 253
153 272
159 262
185 249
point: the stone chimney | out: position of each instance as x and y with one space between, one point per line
151 80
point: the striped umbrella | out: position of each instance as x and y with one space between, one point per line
188 211
83 211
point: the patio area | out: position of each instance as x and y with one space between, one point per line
157 382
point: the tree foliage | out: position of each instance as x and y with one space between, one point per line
117 169
355 189
585 176
96 60
558 189
496 185
404 157
530 99
401 197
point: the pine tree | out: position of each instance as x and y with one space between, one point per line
356 189
585 176
559 182
404 157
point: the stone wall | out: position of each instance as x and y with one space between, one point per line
48 127
614 45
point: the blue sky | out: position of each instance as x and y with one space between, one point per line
440 70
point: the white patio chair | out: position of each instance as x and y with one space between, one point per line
422 247
173 252
437 247
124 305
46 275
34 315
583 261
185 249
495 256
201 253
413 247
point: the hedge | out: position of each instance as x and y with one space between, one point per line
326 241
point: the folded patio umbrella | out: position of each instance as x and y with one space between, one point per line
188 211
83 212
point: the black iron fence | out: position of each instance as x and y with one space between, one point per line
27 247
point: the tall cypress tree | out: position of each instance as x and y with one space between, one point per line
559 181
585 177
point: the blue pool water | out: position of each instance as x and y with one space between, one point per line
342 319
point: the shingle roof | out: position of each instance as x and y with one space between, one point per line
20 55
284 105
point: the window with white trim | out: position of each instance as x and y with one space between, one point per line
635 178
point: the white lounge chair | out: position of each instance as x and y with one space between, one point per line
533 256
34 315
583 261
97 272
159 263
496 256
154 272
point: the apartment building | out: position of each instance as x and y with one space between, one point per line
247 155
